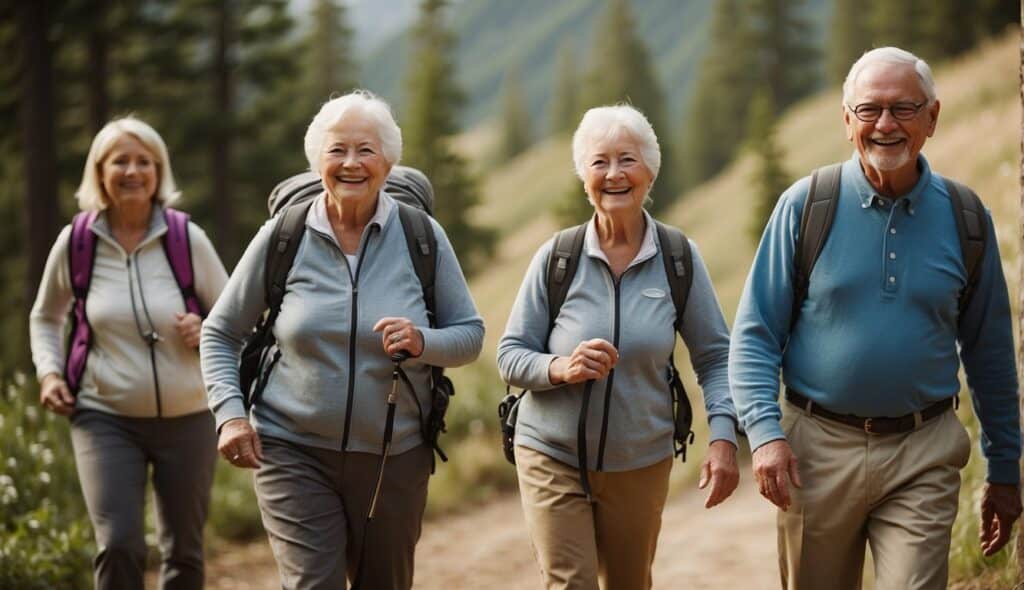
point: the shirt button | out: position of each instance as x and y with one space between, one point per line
892 230
892 279
892 256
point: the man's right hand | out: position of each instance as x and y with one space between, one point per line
239 444
773 463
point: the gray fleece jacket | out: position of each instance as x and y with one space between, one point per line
639 309
328 306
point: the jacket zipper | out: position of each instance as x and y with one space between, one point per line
150 339
354 276
611 374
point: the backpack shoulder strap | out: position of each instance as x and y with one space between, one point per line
82 252
972 230
81 256
178 250
422 244
678 259
562 264
284 243
815 224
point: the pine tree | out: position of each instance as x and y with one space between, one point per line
849 37
770 178
329 67
899 24
431 102
574 207
564 110
717 114
621 70
515 118
781 38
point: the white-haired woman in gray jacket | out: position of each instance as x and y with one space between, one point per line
616 329
352 299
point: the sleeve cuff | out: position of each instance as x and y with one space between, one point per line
45 370
231 409
763 432
1004 472
723 428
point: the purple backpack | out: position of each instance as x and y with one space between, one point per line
81 258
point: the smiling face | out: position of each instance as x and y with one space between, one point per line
889 146
615 176
129 172
352 163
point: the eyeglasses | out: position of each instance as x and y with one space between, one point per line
901 111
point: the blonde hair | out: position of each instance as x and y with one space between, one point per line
91 195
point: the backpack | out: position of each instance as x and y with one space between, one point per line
820 211
289 202
562 264
82 257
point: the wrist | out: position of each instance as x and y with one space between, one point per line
556 370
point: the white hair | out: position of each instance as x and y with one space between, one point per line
605 122
891 56
365 103
92 196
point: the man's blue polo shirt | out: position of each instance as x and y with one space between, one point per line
879 331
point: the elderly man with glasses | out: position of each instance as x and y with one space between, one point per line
869 340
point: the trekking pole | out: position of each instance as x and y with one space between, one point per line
581 440
389 427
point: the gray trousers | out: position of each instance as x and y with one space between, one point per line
113 455
314 504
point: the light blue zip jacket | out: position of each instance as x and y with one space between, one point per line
330 385
636 314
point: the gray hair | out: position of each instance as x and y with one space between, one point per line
91 195
891 56
608 121
365 103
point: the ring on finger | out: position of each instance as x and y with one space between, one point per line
395 337
235 457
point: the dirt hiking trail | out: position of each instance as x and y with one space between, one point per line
731 546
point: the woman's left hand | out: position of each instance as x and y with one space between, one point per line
189 326
400 334
720 470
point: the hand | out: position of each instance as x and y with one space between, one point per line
55 396
189 326
399 334
239 444
773 462
1000 508
720 470
592 359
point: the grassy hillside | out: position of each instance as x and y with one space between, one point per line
495 34
976 142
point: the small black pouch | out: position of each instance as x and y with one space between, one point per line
508 413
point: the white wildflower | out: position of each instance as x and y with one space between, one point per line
44 477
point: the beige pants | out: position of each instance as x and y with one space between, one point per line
609 544
898 493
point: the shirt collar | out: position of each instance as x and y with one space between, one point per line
648 248
317 217
157 224
869 196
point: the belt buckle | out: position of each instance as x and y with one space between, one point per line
867 426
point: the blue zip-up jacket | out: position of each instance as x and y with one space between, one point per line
330 385
878 333
636 314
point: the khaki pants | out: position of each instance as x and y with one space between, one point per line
897 493
578 546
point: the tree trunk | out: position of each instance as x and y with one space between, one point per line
1020 273
99 101
220 156
38 139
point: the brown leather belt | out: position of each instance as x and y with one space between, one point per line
871 425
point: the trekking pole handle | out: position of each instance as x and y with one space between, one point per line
396 358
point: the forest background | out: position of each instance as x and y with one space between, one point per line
742 94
